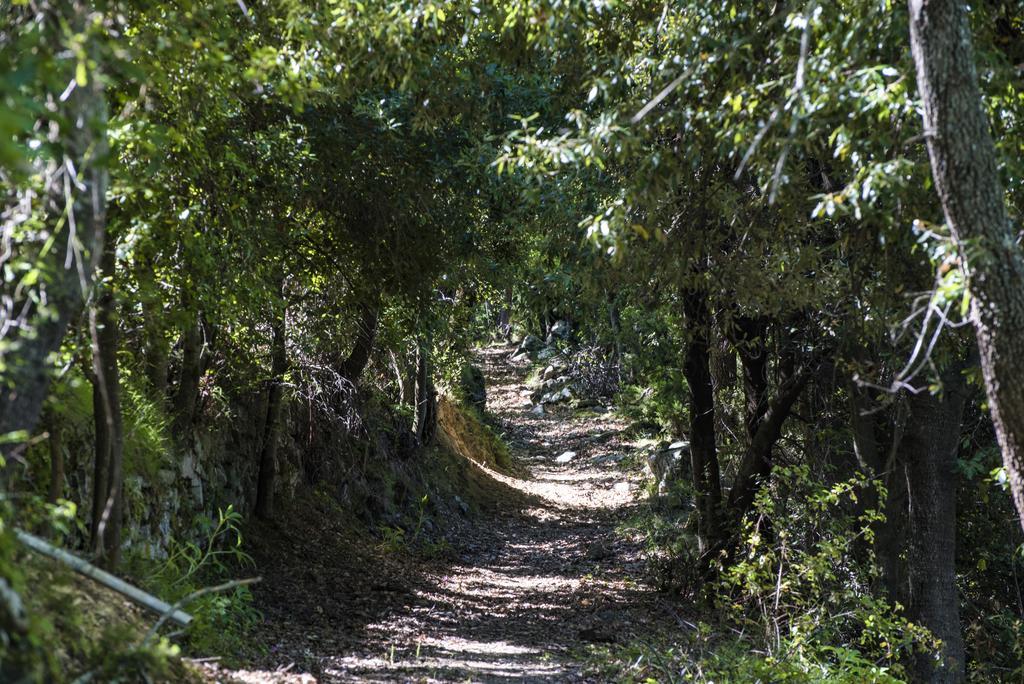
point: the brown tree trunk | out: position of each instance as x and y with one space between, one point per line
267 479
56 489
928 452
100 463
756 465
703 450
186 395
750 339
872 461
157 352
25 379
964 167
426 397
108 473
352 367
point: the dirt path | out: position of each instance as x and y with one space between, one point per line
533 583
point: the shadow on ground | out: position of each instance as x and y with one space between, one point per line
534 579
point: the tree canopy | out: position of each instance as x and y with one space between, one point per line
256 244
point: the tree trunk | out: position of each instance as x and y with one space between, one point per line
964 167
615 324
157 352
71 261
109 472
352 367
756 465
750 339
267 479
56 490
703 451
426 397
881 461
100 463
928 451
188 379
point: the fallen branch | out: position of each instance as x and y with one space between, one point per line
192 597
105 578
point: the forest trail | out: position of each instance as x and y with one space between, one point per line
533 582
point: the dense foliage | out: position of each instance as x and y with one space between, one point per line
270 231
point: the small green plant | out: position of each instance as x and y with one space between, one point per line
392 539
396 539
221 552
801 592
220 620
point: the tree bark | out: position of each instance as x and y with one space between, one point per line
109 471
964 167
188 379
157 352
100 463
353 366
426 397
881 460
56 489
756 465
703 451
750 340
928 452
267 479
69 265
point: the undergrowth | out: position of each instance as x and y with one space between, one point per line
794 605
57 626
221 620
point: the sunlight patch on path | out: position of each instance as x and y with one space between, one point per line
579 489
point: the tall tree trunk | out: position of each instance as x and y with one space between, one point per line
703 451
100 463
750 339
615 324
109 471
352 367
929 454
426 399
267 480
187 393
964 167
756 465
69 265
874 462
157 351
56 490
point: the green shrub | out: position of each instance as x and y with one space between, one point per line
796 587
221 620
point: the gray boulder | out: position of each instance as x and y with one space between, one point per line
530 344
561 329
668 465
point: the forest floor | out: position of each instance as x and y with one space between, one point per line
530 587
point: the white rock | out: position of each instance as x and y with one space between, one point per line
538 409
566 457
